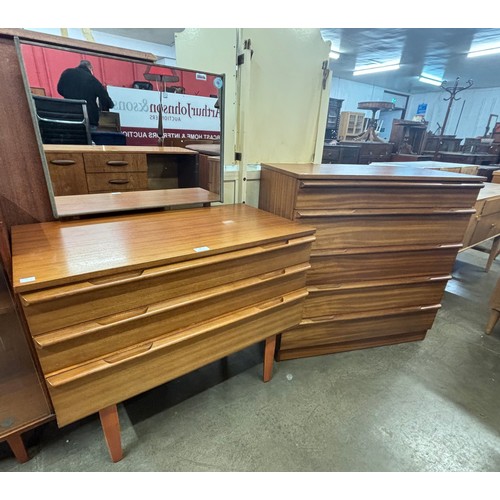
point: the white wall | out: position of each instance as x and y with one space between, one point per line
353 92
477 105
165 53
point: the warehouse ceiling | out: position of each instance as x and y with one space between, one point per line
438 52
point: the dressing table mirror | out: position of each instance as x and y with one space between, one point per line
136 158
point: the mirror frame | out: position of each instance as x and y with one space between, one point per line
97 50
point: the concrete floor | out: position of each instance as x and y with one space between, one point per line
426 406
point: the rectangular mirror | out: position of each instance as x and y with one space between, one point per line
159 145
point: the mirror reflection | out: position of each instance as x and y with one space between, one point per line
111 125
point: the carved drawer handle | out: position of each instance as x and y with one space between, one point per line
116 277
118 181
271 303
130 354
63 162
116 318
117 163
272 274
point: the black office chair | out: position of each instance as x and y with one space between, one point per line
62 121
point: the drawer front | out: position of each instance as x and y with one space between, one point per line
81 343
83 391
113 182
313 334
337 195
67 174
375 265
331 155
64 306
486 227
340 232
320 302
120 162
491 207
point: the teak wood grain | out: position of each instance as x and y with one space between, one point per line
386 240
119 305
99 203
372 263
67 174
83 391
63 306
24 197
58 253
79 343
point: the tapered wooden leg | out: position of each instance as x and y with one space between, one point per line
495 250
492 320
17 446
111 428
269 357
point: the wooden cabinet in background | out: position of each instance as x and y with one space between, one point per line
408 136
370 152
340 153
448 143
386 241
352 124
333 119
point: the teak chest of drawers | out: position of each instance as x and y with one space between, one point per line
386 241
119 305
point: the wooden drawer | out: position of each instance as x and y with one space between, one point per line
348 329
67 173
369 296
491 206
116 162
371 153
60 349
110 182
85 389
63 306
379 194
381 263
361 228
486 227
331 155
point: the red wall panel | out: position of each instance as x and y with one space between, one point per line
45 65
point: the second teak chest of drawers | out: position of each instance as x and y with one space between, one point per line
386 241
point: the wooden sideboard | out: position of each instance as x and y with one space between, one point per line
339 153
474 158
484 225
119 305
76 170
371 151
386 241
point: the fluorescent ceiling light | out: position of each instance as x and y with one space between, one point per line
484 52
430 81
334 55
375 69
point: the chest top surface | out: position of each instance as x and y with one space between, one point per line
59 252
368 172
